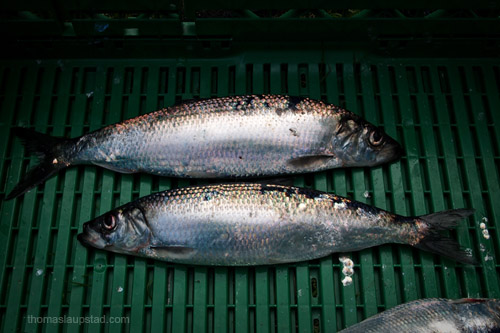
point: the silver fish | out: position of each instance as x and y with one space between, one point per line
259 224
242 136
435 315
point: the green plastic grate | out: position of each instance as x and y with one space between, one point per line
444 112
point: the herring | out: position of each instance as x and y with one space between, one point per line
229 137
261 224
435 315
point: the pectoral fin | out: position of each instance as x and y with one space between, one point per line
173 252
113 168
310 161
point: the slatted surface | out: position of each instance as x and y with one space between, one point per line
445 113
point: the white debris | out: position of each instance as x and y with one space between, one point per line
348 271
89 94
39 272
482 248
485 219
468 251
486 234
488 258
482 225
366 194
54 161
302 206
347 281
340 205
346 261
119 289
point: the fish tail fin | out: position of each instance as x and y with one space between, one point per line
434 242
50 153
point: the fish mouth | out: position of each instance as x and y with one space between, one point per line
396 152
90 238
392 152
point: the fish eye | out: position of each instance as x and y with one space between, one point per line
109 222
375 139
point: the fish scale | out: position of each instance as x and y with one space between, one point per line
255 224
216 138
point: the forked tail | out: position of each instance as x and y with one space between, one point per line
433 241
51 155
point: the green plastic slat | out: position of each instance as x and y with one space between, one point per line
100 259
77 282
118 284
47 211
283 299
220 300
304 298
58 280
261 273
472 179
367 277
200 299
241 299
396 181
378 192
200 315
9 101
452 173
161 289
282 279
140 282
25 219
302 269
326 283
81 281
489 169
348 293
388 284
221 275
262 299
493 102
241 286
448 273
326 296
179 299
414 169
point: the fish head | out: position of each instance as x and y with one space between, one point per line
123 230
357 142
